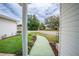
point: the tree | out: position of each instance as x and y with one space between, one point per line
41 26
52 22
33 22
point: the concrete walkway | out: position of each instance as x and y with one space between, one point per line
6 54
41 47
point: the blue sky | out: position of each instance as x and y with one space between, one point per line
12 10
43 10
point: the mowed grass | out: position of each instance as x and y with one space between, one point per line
51 38
11 45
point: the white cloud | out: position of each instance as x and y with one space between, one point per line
43 10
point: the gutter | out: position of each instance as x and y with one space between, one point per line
8 18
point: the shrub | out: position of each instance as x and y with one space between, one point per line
19 52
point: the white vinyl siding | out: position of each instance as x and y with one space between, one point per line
7 27
69 29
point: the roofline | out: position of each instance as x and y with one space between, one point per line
8 18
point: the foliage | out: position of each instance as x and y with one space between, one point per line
19 52
52 22
41 26
20 25
19 31
30 41
33 22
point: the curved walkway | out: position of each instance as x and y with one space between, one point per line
41 47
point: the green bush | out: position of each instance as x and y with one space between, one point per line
19 52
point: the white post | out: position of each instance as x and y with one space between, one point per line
24 31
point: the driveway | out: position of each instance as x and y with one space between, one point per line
47 32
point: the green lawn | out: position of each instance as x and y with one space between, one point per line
11 45
51 38
14 44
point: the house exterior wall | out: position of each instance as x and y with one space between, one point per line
69 29
7 27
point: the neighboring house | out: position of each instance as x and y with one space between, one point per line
19 28
46 27
8 27
8 19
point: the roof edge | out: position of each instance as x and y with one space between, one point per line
8 18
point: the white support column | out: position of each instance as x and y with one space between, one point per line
24 31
